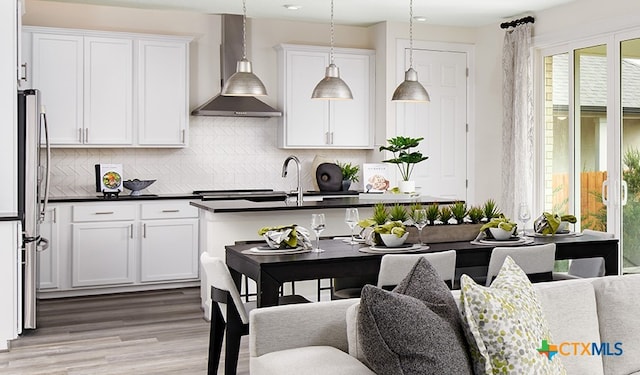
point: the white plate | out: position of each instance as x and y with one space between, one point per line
521 241
392 250
568 234
264 250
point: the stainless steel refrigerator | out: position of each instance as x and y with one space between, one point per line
34 157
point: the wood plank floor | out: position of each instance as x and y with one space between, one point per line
156 332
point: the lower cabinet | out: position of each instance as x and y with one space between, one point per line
103 254
104 247
169 250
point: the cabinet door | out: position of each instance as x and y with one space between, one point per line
162 93
102 254
108 88
58 74
48 259
352 120
305 120
169 250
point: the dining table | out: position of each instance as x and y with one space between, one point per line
341 259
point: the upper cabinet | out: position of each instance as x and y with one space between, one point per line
162 93
312 123
110 89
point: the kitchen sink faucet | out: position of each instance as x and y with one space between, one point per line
284 174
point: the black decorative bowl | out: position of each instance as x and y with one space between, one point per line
136 185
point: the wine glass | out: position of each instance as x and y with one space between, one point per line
351 217
420 221
524 214
317 225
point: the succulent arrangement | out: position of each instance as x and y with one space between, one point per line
384 221
459 211
476 214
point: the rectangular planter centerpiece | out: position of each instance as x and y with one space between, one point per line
445 233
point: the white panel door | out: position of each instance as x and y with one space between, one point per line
162 93
306 119
442 123
108 91
58 74
169 250
351 119
103 254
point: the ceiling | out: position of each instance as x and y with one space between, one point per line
470 13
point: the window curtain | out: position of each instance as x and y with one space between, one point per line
517 120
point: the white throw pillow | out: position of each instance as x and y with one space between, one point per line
505 325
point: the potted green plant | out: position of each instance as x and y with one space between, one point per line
349 174
405 159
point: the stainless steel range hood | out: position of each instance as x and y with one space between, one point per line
230 54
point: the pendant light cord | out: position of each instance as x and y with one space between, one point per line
332 34
244 29
410 33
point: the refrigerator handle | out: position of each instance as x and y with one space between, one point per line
47 171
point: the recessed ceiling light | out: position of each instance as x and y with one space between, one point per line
292 6
420 18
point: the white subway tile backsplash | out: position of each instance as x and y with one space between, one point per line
223 153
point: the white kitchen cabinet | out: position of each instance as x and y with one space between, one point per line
103 245
103 254
169 241
57 71
313 123
117 246
162 93
169 250
107 89
48 259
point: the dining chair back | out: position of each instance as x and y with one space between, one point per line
394 267
536 261
589 267
229 315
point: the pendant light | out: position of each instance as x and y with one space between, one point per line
243 82
332 87
410 90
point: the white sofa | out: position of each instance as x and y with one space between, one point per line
320 338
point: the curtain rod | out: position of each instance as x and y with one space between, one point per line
514 23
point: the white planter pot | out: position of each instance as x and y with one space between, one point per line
407 186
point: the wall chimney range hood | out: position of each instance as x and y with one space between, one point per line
230 54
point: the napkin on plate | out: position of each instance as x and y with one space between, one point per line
286 237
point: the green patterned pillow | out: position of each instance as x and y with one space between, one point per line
505 325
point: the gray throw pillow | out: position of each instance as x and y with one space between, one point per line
414 329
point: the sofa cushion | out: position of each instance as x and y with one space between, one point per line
506 326
570 309
414 329
619 316
308 360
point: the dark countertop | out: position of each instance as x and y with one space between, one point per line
126 197
247 206
122 197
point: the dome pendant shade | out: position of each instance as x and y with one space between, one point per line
243 82
410 90
332 86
